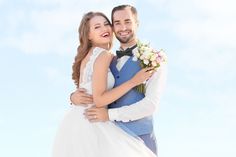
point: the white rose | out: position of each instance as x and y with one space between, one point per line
141 57
146 62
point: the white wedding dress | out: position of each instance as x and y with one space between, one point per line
77 137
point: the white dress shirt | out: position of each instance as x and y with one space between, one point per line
146 106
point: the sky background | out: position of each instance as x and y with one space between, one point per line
197 114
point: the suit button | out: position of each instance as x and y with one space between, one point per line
117 76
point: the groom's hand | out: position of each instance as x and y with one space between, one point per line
97 114
80 97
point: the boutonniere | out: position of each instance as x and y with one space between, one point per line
148 57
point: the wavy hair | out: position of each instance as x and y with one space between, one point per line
85 43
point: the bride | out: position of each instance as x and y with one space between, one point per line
77 137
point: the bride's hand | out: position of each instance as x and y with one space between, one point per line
95 114
142 76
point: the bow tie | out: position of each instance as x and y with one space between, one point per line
127 52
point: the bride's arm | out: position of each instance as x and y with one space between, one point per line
101 95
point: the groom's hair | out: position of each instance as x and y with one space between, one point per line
122 7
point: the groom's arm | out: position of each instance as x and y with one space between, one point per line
147 105
80 97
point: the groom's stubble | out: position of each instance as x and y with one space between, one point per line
125 40
125 21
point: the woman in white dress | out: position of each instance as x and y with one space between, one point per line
77 137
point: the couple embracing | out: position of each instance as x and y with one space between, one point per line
109 117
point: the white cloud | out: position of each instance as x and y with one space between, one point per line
208 60
209 22
217 8
2 121
49 30
204 37
191 21
196 118
209 32
188 8
56 76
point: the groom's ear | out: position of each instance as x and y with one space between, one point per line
137 22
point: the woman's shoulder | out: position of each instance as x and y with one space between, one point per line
102 56
101 52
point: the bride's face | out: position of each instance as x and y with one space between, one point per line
100 31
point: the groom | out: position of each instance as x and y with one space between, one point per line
133 111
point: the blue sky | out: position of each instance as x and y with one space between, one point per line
197 115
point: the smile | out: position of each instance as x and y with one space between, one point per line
106 34
124 33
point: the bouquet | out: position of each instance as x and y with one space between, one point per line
148 57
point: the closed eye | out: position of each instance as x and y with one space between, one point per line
96 27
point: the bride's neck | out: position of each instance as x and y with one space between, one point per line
104 46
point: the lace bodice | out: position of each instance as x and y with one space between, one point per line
88 72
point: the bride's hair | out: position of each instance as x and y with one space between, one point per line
85 43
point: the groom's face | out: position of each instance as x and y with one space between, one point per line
124 25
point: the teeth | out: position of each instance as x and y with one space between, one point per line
124 33
105 34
